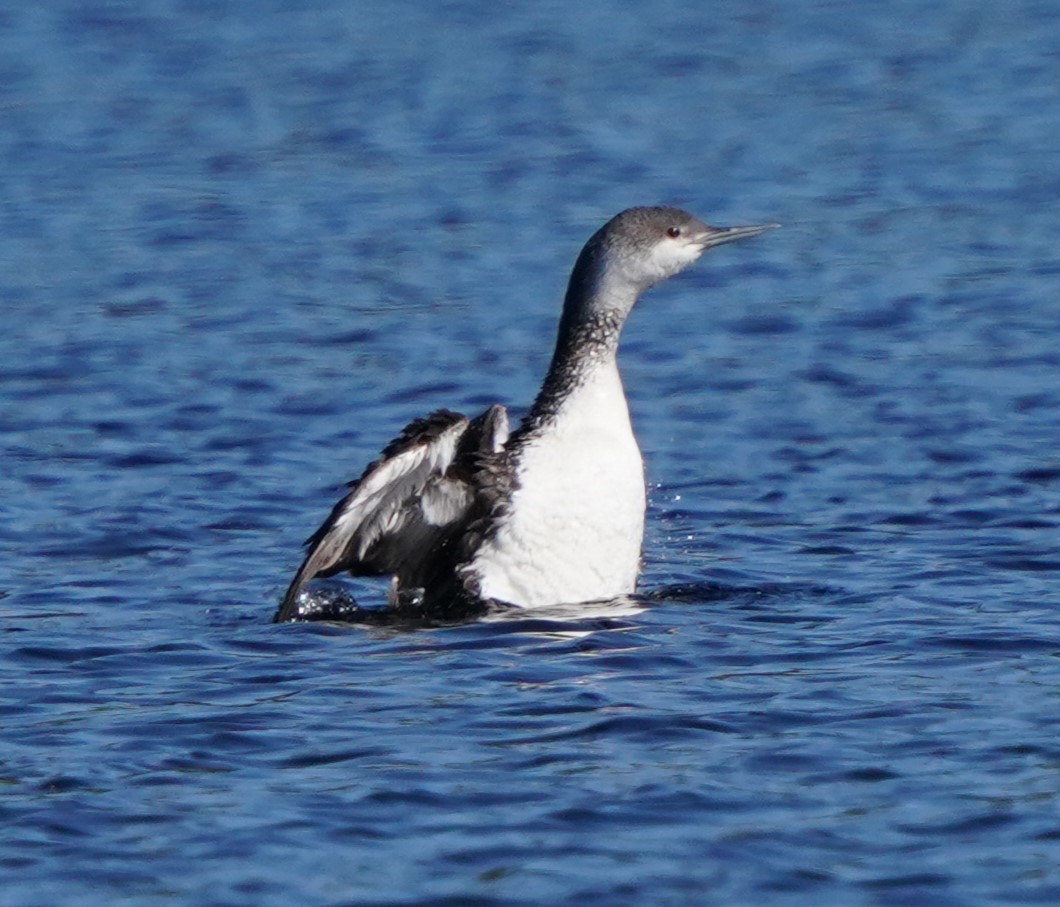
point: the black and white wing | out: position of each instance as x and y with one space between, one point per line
406 502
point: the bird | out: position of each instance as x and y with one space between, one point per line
461 512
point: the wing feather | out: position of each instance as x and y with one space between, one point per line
404 504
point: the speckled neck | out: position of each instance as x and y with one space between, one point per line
594 312
583 345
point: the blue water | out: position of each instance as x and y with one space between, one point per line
242 244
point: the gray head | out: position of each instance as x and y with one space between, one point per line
639 248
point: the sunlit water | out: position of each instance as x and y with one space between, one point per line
243 245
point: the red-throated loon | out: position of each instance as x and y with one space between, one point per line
458 512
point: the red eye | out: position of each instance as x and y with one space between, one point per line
673 232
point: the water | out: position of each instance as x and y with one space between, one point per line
240 249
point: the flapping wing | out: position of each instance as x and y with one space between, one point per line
404 503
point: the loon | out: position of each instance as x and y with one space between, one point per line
461 512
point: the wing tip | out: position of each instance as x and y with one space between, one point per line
310 568
288 610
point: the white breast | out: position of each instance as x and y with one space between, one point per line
576 524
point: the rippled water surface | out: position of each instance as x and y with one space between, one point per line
242 245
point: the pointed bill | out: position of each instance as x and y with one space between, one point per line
718 236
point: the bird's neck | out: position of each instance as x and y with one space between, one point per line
594 311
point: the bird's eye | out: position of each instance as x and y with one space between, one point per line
673 232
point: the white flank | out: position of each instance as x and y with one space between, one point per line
575 527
